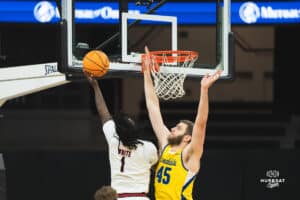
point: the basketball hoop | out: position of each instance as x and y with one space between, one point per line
169 84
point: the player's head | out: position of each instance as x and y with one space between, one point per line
127 130
182 132
106 193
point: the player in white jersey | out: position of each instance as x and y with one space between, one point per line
130 158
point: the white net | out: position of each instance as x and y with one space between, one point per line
169 85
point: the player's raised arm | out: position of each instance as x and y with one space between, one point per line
152 102
99 100
195 148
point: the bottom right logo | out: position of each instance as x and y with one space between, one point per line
272 179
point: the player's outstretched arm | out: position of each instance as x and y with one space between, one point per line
152 102
195 148
99 100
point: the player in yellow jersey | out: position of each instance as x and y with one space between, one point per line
181 147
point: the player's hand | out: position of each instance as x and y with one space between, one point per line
208 80
148 64
90 78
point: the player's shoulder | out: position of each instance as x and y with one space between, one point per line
148 144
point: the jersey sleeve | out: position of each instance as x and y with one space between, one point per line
109 129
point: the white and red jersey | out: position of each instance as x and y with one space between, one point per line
130 169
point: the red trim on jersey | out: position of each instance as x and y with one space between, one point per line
123 195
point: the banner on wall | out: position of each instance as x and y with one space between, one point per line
251 12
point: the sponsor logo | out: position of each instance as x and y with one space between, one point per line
250 12
44 11
270 13
105 12
50 69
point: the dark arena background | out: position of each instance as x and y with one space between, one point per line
51 142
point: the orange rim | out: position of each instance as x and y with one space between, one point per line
172 56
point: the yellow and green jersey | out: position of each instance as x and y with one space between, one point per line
172 180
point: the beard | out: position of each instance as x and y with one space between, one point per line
175 140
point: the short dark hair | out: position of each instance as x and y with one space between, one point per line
127 130
106 192
190 126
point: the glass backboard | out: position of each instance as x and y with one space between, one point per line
160 25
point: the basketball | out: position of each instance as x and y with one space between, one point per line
96 63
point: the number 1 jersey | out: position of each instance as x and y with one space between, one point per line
130 169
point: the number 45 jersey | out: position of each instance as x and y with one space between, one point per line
130 169
172 180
